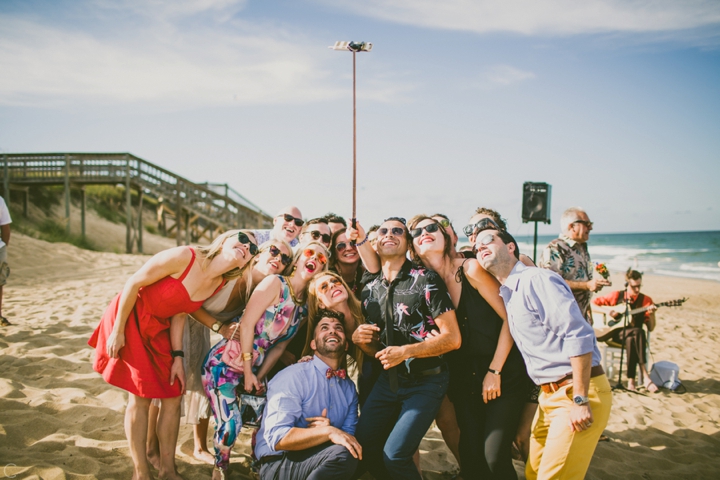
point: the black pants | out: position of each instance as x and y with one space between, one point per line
486 434
324 462
635 344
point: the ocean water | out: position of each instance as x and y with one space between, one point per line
678 254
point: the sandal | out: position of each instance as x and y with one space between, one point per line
4 321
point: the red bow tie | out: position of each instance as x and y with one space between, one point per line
341 374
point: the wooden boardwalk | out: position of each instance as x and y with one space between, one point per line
186 210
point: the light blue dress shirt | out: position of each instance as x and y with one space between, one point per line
546 323
301 391
262 236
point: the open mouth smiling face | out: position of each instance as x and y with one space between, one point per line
314 260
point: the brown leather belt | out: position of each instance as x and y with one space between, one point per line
553 387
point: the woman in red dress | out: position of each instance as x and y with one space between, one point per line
138 348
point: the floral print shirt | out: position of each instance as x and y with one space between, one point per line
279 323
419 296
571 260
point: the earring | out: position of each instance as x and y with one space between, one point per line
292 273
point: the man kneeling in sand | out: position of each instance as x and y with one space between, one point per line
561 355
311 413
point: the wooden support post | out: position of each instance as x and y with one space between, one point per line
67 193
187 228
178 216
82 210
128 207
161 217
261 221
140 220
26 202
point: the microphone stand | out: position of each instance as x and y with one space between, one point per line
626 317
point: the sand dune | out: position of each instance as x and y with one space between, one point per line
60 420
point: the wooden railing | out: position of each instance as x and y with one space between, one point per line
198 210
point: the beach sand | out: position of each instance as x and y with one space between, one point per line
60 420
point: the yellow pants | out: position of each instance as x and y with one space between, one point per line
556 451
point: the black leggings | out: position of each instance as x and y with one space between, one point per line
486 434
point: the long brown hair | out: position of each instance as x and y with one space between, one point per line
447 250
313 303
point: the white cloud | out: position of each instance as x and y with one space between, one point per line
502 76
155 58
551 17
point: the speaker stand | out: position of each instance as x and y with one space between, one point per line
535 244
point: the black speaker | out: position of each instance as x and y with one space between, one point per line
536 202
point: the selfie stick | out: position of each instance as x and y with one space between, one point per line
353 47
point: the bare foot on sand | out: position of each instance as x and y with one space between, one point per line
219 474
169 476
204 456
651 387
631 385
141 476
153 459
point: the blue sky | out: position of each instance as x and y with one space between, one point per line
616 104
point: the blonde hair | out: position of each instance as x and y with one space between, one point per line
313 304
208 252
247 275
304 247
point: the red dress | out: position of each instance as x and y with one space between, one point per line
143 366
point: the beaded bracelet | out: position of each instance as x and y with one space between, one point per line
362 243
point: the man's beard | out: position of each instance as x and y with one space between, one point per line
325 350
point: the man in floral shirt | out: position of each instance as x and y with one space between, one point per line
410 324
568 256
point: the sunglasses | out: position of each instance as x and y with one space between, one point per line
245 240
342 246
485 240
484 224
299 222
430 228
325 286
309 252
275 251
397 231
584 222
317 235
444 222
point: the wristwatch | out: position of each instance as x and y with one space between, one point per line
216 326
580 400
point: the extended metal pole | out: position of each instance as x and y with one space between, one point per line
535 244
354 146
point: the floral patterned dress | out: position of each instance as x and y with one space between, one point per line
224 386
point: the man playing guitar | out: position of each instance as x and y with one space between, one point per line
634 341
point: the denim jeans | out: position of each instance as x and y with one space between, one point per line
392 425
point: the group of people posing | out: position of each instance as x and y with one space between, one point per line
481 341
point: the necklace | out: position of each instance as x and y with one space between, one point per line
292 292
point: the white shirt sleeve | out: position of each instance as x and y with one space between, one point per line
4 213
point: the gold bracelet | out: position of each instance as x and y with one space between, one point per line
247 357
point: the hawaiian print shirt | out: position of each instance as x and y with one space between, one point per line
572 261
418 298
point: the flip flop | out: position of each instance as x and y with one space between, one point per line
4 321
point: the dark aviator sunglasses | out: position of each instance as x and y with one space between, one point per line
299 222
484 224
317 235
275 251
397 231
430 228
245 240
